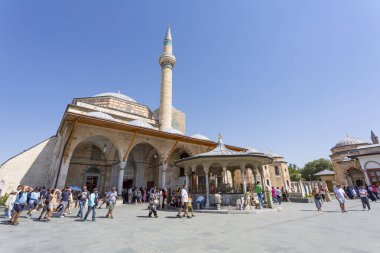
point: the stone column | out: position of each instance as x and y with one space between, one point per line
242 170
187 181
163 168
367 181
122 165
194 184
206 169
225 177
61 181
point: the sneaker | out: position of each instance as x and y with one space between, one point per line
189 217
178 216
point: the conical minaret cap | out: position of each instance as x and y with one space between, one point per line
168 35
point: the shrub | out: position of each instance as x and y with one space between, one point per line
3 199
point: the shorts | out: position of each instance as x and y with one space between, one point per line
342 200
18 208
110 206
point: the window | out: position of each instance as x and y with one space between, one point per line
287 183
96 153
181 172
276 170
268 182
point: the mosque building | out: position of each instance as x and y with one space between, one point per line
110 139
356 162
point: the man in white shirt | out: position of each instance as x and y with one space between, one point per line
184 201
341 197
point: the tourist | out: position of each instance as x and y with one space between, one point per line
153 203
278 195
341 197
274 197
111 202
9 204
34 196
161 198
42 198
64 200
20 202
130 195
164 198
374 190
317 199
52 203
284 194
247 200
104 199
255 203
184 201
370 193
45 206
327 194
190 206
70 202
201 200
364 198
93 201
322 193
259 191
218 200
82 198
145 195
124 195
141 192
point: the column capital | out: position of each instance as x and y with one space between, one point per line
164 167
206 167
122 165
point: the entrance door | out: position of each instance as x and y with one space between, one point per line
149 185
127 184
92 182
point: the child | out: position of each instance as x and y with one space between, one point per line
9 205
189 207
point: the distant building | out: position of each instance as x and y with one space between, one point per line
356 162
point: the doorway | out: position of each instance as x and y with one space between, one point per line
92 181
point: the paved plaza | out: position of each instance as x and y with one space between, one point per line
295 228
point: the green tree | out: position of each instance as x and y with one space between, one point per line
314 167
294 172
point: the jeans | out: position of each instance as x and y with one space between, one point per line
81 207
64 204
365 202
318 203
260 197
279 199
90 208
7 212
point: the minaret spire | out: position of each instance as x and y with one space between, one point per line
167 61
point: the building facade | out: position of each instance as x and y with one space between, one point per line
356 162
111 140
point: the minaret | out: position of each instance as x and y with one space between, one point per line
374 138
167 62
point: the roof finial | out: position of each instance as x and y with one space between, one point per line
219 137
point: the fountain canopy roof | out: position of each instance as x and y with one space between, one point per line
222 154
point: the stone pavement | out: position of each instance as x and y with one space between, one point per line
296 228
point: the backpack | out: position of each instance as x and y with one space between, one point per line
96 200
22 199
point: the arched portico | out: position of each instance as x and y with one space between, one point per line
94 162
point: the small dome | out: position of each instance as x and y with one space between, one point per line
140 123
173 131
349 141
252 150
200 136
100 115
116 95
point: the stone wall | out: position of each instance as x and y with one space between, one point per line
31 167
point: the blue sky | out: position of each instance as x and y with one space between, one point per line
292 77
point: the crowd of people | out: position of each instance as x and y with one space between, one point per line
53 202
